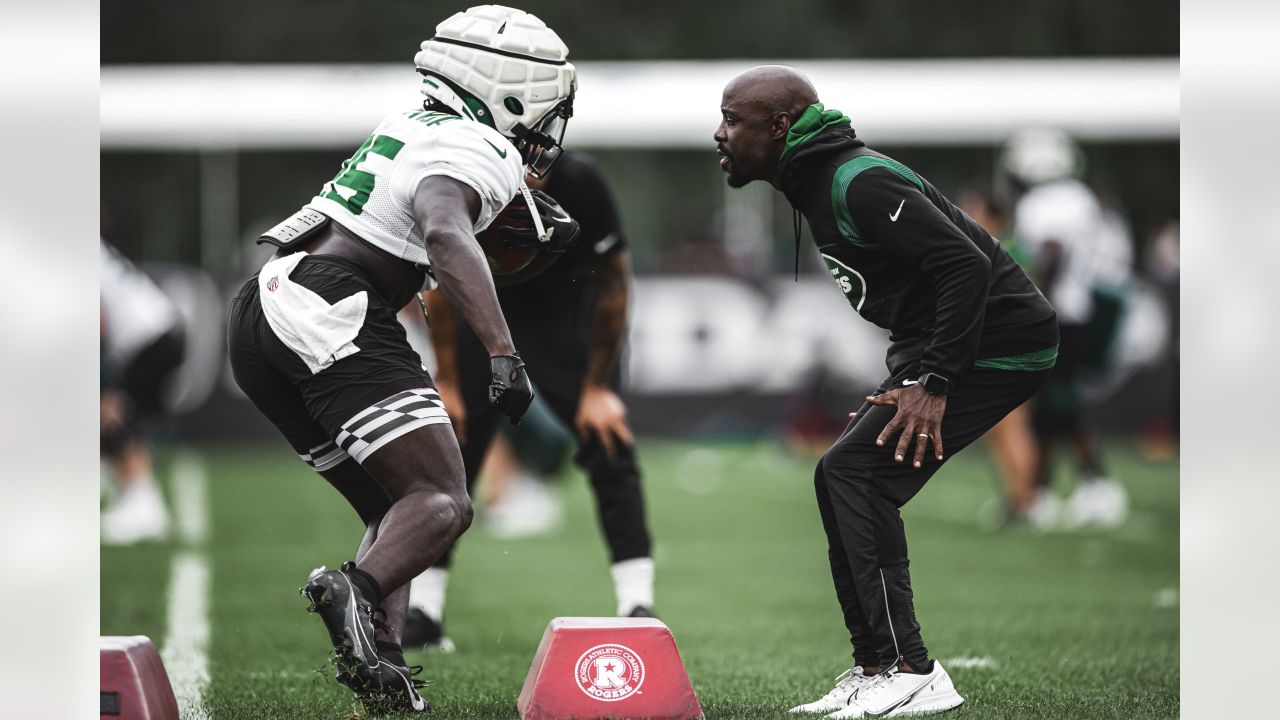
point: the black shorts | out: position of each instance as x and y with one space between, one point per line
355 405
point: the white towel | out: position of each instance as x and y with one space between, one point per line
318 332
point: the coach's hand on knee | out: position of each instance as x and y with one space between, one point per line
509 387
918 419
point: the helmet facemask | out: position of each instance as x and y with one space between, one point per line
540 145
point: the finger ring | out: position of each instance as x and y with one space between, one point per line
923 435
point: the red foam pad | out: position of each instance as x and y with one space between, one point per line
134 683
607 668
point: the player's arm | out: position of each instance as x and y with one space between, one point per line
444 341
611 279
892 212
1048 266
600 411
445 210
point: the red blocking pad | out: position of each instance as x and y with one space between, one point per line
134 684
589 667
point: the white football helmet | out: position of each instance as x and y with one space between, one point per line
1038 155
505 68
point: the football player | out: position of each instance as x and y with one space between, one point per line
971 339
570 321
314 339
142 348
1081 256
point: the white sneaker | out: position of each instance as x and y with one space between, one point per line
1044 513
894 694
1099 502
528 509
137 515
848 683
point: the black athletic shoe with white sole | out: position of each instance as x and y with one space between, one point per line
348 618
398 693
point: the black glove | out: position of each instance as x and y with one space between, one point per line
509 387
562 230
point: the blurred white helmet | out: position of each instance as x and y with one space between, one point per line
1041 154
505 68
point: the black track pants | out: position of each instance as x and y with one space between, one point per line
860 488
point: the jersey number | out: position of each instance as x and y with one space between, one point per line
358 181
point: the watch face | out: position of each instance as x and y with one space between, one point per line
935 384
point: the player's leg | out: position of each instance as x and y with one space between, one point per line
557 366
867 488
864 651
422 474
369 501
399 690
1013 444
865 657
138 512
373 400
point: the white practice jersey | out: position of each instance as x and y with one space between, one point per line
1096 248
372 195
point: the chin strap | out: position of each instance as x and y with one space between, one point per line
533 211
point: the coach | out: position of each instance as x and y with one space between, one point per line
971 339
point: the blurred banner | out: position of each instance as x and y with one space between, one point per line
648 104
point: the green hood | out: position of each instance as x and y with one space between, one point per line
812 122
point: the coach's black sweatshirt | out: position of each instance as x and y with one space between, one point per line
909 260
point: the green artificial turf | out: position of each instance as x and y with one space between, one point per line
1062 625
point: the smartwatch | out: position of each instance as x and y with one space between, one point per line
934 384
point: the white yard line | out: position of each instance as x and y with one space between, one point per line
186 646
979 663
190 504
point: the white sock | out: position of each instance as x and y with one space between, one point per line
633 584
426 592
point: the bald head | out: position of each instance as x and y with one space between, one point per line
773 88
757 109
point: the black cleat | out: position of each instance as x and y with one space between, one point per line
423 633
640 611
398 692
348 618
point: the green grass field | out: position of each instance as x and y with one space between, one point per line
1070 625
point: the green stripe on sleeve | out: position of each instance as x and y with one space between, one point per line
1026 362
840 189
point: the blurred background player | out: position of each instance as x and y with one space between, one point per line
142 347
516 498
1080 255
1012 440
569 322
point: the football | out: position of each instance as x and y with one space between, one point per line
506 262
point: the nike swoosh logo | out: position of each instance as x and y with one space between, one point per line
503 153
606 242
910 382
894 216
